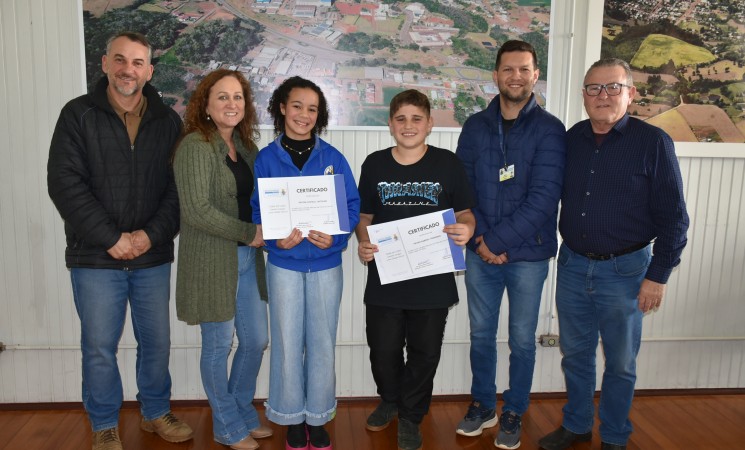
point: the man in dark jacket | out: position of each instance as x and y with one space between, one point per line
513 153
623 225
109 176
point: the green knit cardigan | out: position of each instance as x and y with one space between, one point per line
207 271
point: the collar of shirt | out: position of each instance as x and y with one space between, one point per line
132 118
621 127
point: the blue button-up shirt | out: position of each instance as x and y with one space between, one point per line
626 191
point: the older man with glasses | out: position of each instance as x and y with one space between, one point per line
622 190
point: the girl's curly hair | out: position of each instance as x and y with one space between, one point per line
282 93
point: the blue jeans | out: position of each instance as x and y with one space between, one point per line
231 399
485 284
303 316
101 297
600 298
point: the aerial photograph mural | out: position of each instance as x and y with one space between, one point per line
360 53
688 61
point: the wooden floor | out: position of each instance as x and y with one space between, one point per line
711 422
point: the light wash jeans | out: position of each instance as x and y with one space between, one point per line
231 398
485 285
101 297
303 316
600 297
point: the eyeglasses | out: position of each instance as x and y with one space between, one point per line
593 90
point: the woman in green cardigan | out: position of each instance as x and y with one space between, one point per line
220 280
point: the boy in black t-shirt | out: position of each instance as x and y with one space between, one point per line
408 180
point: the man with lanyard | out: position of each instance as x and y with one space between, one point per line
513 154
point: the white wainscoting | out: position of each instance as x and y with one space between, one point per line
694 341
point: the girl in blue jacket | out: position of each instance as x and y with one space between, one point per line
304 274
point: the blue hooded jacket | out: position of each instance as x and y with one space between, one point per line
273 161
517 216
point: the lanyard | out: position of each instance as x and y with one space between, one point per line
501 139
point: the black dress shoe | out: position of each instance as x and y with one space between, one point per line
607 446
562 438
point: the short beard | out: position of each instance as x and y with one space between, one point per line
524 95
123 88
127 92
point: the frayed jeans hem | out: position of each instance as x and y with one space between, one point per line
313 419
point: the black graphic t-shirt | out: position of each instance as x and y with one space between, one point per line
392 191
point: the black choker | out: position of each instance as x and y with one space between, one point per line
299 152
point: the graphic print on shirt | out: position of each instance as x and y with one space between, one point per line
424 193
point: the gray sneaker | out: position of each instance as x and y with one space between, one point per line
409 436
509 431
382 416
477 418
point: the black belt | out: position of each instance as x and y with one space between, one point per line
597 257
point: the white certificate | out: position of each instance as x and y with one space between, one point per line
306 203
415 247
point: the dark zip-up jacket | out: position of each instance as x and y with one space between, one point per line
517 215
102 185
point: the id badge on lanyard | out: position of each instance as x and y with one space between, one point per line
508 171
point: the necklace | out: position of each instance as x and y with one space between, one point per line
299 152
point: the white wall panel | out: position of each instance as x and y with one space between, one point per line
694 341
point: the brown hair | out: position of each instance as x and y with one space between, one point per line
409 97
195 118
516 46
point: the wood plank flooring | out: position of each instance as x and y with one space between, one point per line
712 422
